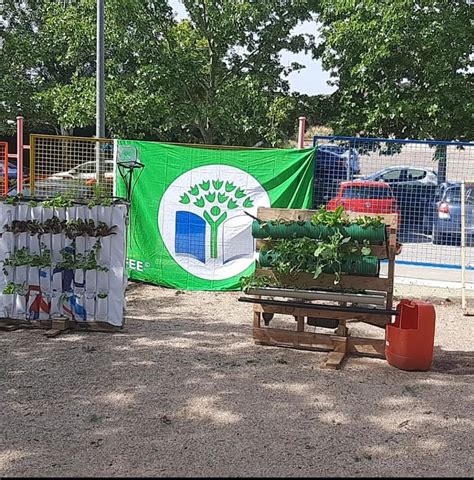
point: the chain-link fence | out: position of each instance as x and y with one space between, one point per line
4 171
70 166
420 180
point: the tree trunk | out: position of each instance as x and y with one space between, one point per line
441 156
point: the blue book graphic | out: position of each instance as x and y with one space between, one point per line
190 237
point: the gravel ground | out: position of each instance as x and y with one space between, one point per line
184 391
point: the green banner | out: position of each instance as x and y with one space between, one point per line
188 226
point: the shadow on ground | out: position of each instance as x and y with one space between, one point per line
184 391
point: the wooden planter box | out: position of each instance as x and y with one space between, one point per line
301 296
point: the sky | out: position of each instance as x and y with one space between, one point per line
312 80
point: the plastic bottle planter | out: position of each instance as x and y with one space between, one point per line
21 241
20 274
22 211
317 231
59 212
7 302
71 213
38 307
373 234
79 281
34 277
7 244
353 265
101 308
278 230
46 214
7 215
82 212
33 243
19 307
79 308
45 280
89 306
91 281
361 265
36 213
51 294
55 308
57 245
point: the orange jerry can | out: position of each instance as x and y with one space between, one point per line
409 342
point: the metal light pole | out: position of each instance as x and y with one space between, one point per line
100 90
100 87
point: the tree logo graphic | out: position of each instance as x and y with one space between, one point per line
216 199
203 224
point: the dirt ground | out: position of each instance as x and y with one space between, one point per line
185 392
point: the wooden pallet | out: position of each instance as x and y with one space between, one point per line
304 301
57 326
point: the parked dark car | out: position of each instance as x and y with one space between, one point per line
334 163
12 170
447 214
415 190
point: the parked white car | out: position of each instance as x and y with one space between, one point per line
86 171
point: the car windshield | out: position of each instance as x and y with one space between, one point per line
365 191
338 149
453 195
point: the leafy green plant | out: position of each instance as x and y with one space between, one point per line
254 281
12 288
23 257
316 256
71 228
13 199
334 218
59 201
100 196
366 221
82 261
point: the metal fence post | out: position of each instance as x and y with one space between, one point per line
463 245
19 152
301 132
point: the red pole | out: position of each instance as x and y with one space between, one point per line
301 131
19 152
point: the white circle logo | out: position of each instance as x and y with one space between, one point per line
203 223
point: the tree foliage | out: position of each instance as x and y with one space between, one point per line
215 77
402 68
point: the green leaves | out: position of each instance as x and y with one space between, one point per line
248 203
217 184
231 197
236 44
394 68
200 202
229 187
222 198
205 186
194 190
332 255
239 193
185 200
